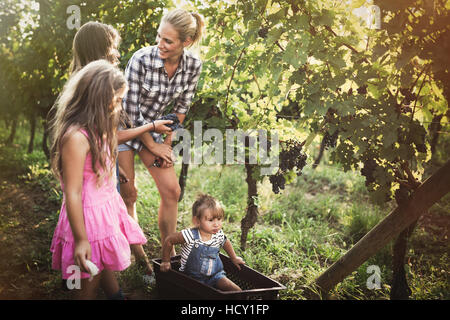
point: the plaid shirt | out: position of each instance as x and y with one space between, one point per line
150 91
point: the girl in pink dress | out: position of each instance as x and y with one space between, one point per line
93 223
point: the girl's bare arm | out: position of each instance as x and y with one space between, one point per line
73 157
129 134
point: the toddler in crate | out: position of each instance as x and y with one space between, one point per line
201 245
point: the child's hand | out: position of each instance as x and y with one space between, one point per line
160 126
165 266
237 261
82 253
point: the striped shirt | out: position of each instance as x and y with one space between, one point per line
217 240
150 91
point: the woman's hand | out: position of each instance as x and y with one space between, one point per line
163 151
237 261
164 163
160 126
165 266
82 253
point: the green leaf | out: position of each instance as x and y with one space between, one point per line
300 22
273 35
277 16
357 3
406 56
389 137
326 18
294 55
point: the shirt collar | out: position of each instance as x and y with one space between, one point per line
159 63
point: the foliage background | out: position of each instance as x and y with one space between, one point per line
303 68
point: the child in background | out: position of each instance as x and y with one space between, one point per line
93 223
201 245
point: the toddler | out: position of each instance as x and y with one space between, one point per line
201 245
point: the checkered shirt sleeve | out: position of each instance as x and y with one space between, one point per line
135 75
183 102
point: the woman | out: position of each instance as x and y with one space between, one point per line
158 76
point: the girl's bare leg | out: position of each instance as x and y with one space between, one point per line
128 192
109 283
89 289
226 284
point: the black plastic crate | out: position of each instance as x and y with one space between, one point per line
177 285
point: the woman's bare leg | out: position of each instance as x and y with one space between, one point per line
169 189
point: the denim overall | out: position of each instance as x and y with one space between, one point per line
204 263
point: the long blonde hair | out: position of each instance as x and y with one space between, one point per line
94 41
187 24
85 103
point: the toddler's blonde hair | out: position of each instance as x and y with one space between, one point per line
204 202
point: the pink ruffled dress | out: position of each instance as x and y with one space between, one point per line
109 228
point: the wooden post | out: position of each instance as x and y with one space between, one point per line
427 194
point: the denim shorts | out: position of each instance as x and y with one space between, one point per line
124 147
212 281
157 137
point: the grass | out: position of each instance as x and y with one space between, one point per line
299 233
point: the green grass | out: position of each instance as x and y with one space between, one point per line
299 233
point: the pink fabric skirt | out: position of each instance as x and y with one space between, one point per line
110 232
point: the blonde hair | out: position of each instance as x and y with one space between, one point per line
204 202
85 103
187 24
94 41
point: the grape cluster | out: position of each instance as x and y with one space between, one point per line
409 96
403 109
174 126
278 182
330 140
362 89
263 32
368 170
421 147
291 156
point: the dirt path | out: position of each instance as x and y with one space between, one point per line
24 242
27 222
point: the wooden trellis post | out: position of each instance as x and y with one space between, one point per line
427 194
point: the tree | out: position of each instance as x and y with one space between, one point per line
37 42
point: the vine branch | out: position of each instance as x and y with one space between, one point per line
232 76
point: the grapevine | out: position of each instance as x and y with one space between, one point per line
291 157
368 170
330 140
